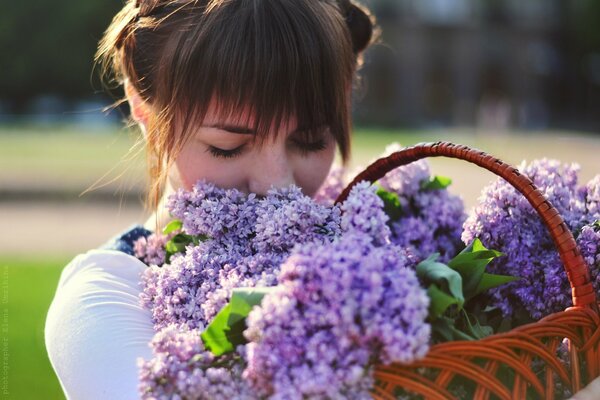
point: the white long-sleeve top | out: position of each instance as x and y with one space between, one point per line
96 329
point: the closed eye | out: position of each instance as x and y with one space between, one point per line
222 153
310 147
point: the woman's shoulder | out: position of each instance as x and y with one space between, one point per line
96 327
100 265
114 259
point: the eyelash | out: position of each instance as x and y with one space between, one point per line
312 147
304 148
220 153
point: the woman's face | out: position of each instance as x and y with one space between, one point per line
224 152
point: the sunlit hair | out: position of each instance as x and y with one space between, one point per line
275 58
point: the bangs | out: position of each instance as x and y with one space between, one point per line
283 59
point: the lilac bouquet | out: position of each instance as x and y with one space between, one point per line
346 297
288 297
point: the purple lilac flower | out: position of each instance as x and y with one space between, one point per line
215 212
406 180
286 217
176 292
363 212
332 187
245 248
591 196
341 307
182 369
432 224
151 250
431 219
589 244
505 221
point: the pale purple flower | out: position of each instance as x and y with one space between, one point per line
332 187
590 194
151 250
504 220
181 368
363 212
286 217
340 308
430 220
588 241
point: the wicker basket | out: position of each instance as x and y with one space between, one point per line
480 362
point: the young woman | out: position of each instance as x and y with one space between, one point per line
247 94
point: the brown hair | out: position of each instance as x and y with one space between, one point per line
278 57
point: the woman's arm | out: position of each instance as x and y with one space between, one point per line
95 328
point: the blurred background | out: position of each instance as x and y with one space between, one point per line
517 78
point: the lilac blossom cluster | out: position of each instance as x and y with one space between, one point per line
182 369
588 241
245 241
151 249
340 308
363 212
505 221
332 187
430 220
590 193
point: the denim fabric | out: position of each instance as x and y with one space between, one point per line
124 241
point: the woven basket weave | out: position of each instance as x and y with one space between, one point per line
480 362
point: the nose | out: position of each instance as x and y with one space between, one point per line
273 168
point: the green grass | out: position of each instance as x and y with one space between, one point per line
65 155
28 286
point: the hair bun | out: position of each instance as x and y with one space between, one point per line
361 24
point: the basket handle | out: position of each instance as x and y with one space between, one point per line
577 270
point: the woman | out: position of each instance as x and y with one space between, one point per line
247 94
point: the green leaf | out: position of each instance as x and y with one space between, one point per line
200 238
214 336
173 226
489 281
178 243
476 329
443 327
445 277
439 301
226 331
471 263
391 203
436 183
